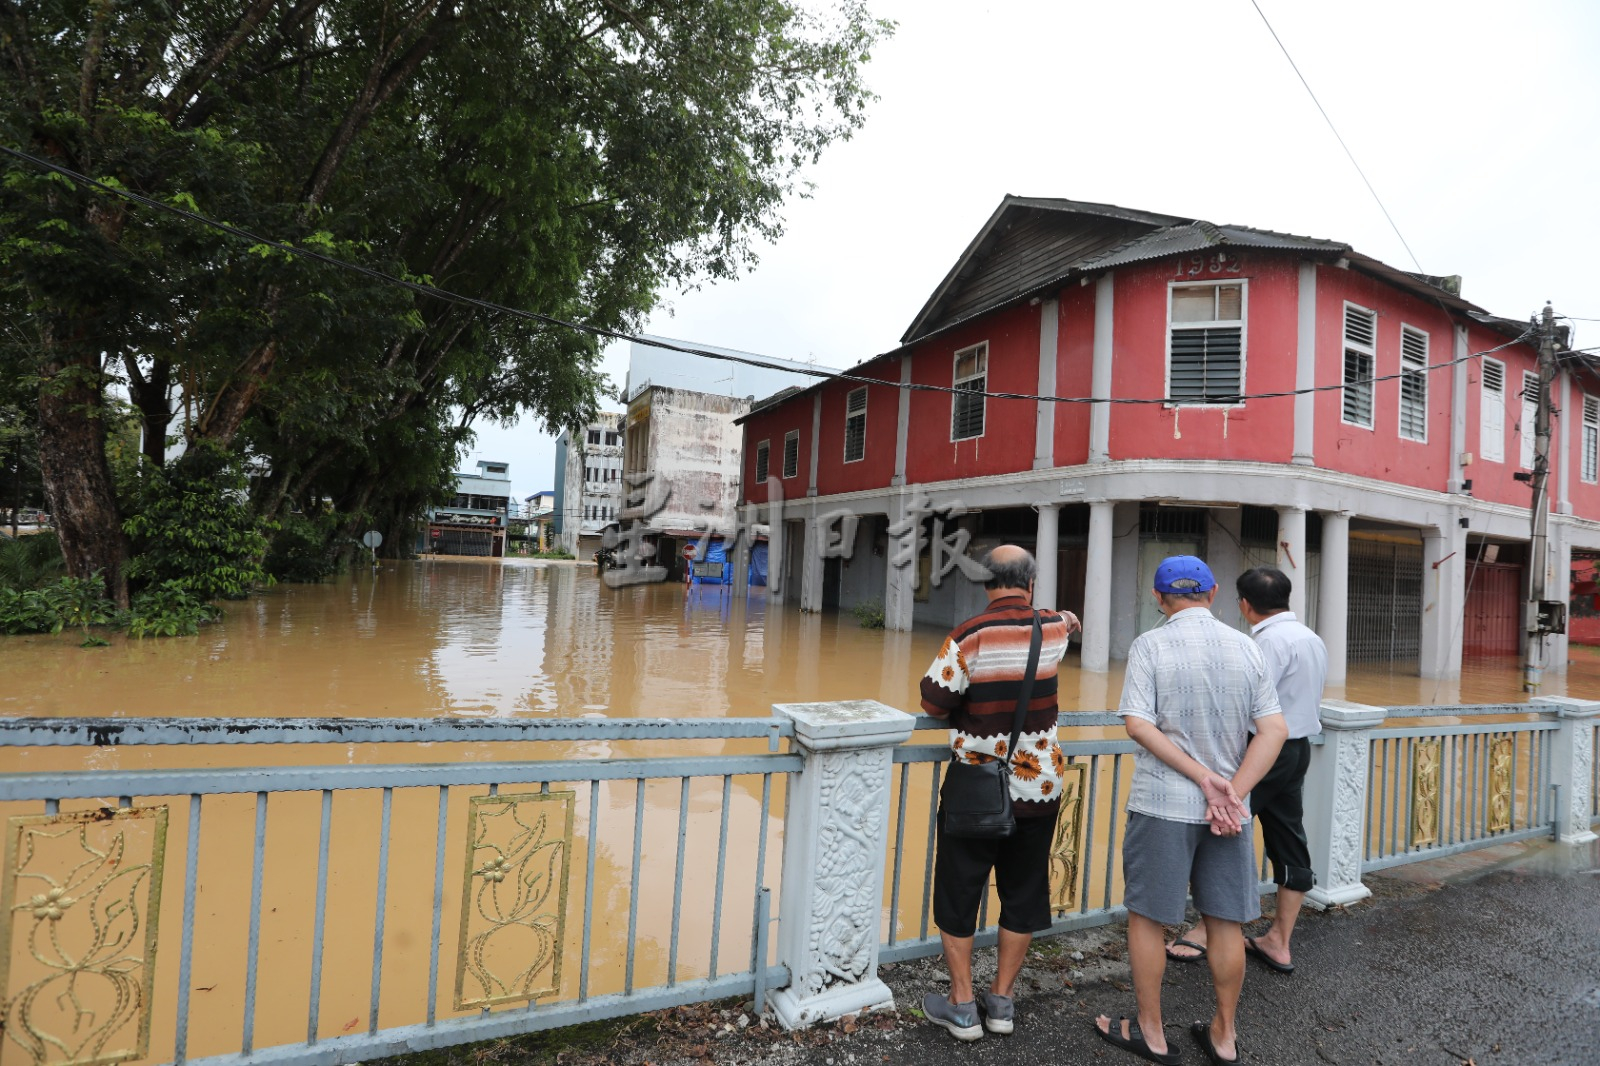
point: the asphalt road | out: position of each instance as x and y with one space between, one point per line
1501 968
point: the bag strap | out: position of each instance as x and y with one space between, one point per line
1034 643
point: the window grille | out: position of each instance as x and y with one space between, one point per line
1172 521
791 453
1413 384
1384 621
1360 333
1258 526
971 379
763 454
855 425
1492 412
1205 343
1530 416
1590 469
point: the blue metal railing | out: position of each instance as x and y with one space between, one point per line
645 862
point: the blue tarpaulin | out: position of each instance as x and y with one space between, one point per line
758 565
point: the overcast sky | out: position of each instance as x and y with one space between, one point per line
1477 122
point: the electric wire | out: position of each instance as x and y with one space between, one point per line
1352 156
435 292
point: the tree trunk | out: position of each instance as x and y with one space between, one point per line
77 478
153 397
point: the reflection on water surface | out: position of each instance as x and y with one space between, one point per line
478 638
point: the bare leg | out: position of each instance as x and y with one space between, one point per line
958 958
1275 941
1225 953
1013 951
1148 956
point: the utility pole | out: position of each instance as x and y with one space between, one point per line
1534 621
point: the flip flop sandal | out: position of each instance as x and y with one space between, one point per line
1271 963
1200 950
1201 1031
1134 1043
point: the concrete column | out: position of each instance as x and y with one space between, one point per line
1336 802
902 424
1292 555
1127 589
1305 369
1572 764
811 569
1044 589
1563 442
1097 589
816 441
1444 594
1559 552
741 557
1044 432
1333 592
777 542
1100 372
1458 413
835 838
1226 560
898 601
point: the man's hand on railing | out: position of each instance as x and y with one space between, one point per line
1224 809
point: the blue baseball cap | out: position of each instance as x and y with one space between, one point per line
1184 573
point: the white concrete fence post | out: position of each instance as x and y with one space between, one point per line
1336 802
835 841
1572 764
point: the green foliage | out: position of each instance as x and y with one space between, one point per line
30 562
869 613
169 610
78 602
302 549
194 526
554 553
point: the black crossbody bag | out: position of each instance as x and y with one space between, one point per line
976 798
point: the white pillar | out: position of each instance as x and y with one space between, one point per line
1226 560
1444 592
816 441
1336 802
1100 371
1333 592
1292 555
1305 370
1572 764
1045 551
1560 586
1458 413
1044 430
902 423
741 557
811 566
898 596
835 838
1097 589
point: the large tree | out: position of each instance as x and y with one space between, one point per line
567 156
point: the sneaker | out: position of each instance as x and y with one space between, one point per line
960 1019
997 1012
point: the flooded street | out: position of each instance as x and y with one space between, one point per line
478 638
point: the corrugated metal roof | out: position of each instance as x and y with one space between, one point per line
1200 236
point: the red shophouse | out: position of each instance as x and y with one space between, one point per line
1393 504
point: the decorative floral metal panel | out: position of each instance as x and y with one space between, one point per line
1064 853
78 917
513 898
1426 772
1501 754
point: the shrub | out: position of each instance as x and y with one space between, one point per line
169 610
69 601
554 553
30 562
869 613
302 550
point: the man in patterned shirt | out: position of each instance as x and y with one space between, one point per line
975 682
1193 688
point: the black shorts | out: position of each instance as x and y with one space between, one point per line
1277 801
1021 865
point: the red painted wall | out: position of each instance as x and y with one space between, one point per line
773 425
1494 481
1074 374
876 467
1259 430
1008 425
1585 496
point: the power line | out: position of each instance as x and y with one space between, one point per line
1336 135
747 360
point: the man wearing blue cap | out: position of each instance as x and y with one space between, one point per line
1193 689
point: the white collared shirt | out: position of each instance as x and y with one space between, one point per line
1297 662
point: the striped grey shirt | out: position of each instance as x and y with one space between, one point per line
1201 683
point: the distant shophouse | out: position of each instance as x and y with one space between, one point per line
1395 497
474 522
588 491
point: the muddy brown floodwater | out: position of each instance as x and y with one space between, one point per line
522 639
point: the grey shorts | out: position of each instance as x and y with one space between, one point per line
1164 862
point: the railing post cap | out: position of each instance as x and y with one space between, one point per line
846 724
1568 706
1342 714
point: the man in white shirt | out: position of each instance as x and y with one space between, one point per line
1194 690
1297 662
